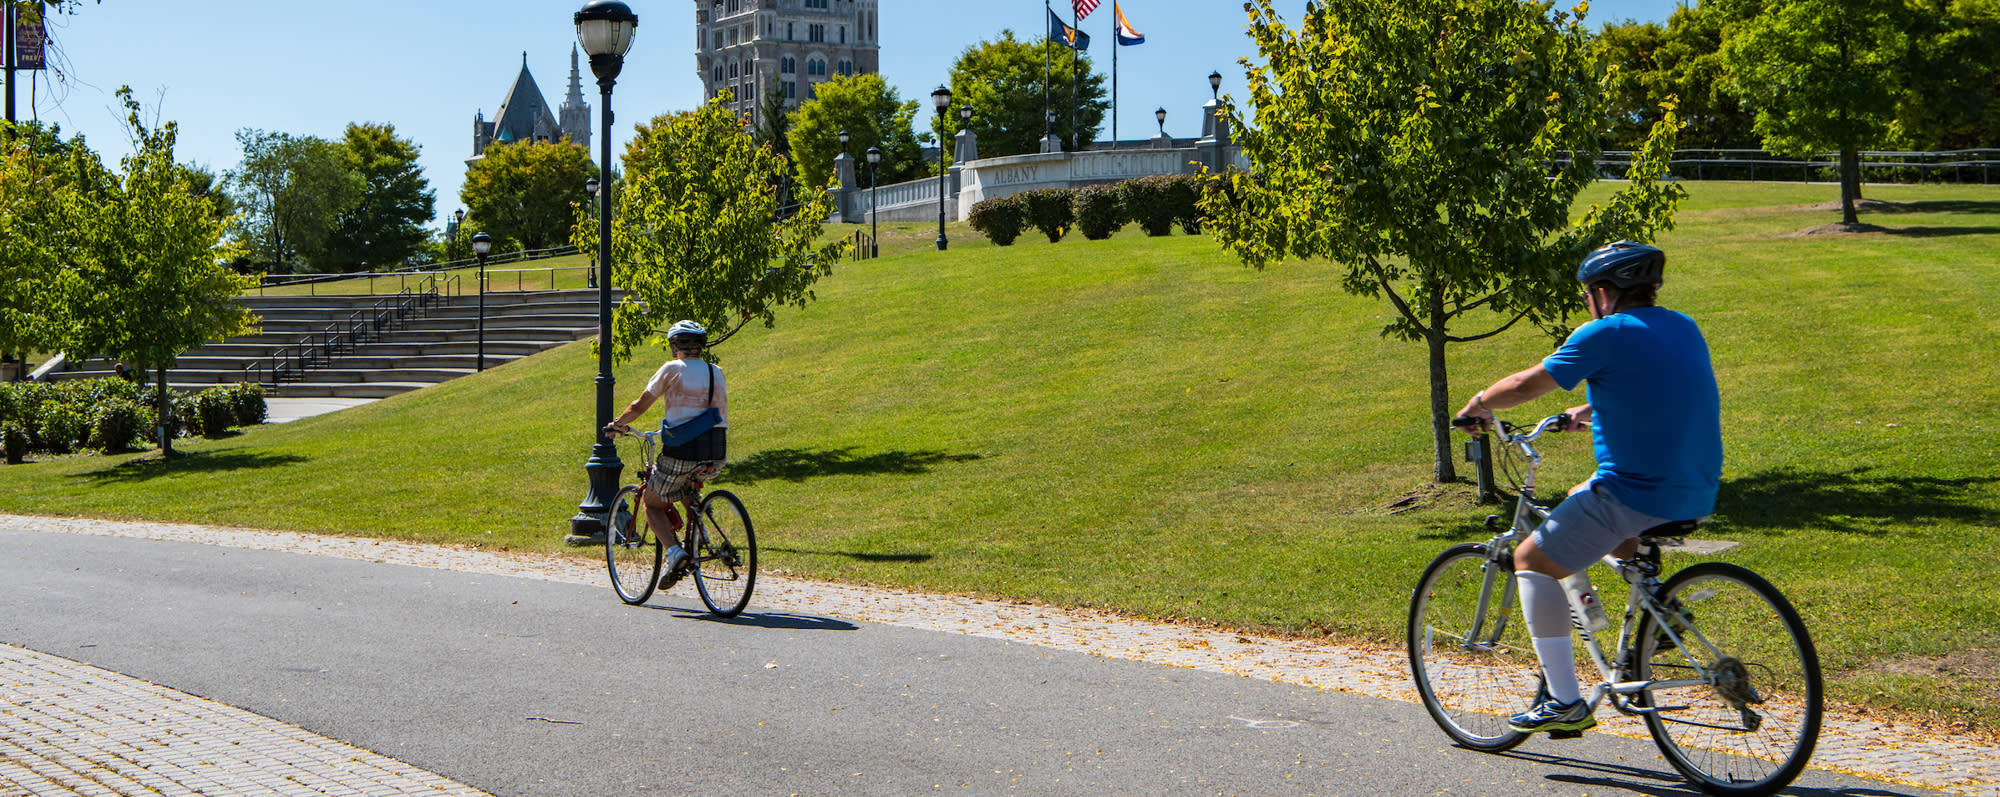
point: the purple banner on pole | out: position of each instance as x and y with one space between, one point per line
29 40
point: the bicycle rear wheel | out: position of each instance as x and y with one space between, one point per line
631 549
1469 651
1747 721
725 562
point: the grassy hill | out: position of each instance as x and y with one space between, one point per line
1146 426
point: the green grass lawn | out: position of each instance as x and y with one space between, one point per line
1146 426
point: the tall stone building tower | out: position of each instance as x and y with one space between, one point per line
748 46
524 114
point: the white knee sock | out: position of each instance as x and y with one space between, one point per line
1547 613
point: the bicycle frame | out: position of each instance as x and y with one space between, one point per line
1641 574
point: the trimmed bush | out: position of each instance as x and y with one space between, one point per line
1184 195
1049 210
217 410
62 428
248 400
1148 203
114 424
1001 219
1099 211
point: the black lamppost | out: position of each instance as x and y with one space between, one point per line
844 138
590 188
481 244
941 99
1215 86
457 234
874 165
604 28
1161 116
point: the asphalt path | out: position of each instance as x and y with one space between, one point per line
523 686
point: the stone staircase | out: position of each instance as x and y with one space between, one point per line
358 346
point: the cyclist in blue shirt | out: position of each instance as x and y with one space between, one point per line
1655 417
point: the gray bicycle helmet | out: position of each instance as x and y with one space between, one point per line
1625 264
683 333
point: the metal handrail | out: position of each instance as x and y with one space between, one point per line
361 326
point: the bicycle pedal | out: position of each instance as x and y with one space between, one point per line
1565 734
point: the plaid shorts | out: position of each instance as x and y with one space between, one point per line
680 479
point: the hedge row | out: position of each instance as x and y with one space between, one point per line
109 415
1156 204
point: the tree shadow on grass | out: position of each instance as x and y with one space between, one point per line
1937 206
149 468
1940 232
863 557
1849 501
799 464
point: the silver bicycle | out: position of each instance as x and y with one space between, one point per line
1713 658
721 546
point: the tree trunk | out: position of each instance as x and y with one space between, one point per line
1850 183
1446 471
164 428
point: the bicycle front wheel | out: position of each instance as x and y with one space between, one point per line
1469 650
631 548
1737 708
725 562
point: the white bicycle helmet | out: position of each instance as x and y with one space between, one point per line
683 332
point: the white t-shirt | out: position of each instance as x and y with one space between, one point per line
681 386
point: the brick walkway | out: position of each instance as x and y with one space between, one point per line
1870 748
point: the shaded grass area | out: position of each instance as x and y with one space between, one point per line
1144 425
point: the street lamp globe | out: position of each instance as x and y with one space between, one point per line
605 28
482 244
844 138
1215 85
1161 116
941 98
590 186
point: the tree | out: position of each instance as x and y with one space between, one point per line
1823 74
293 191
40 176
527 193
869 109
146 278
1681 61
1953 101
698 235
775 126
384 227
1002 81
1432 149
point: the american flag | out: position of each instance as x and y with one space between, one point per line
1084 7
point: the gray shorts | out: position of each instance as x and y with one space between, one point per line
1589 525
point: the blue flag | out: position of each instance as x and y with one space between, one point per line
1069 36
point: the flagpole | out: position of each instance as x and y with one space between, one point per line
1115 31
1048 124
1075 61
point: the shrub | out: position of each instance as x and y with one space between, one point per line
248 399
1049 210
217 410
63 428
1099 211
1148 203
1001 218
1184 196
114 424
14 440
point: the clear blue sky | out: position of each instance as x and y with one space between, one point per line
426 66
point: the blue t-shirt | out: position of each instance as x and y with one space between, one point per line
1658 424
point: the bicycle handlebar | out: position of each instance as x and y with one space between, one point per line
1555 423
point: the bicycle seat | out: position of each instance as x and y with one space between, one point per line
1674 530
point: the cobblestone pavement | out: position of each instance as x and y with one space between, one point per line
52 734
